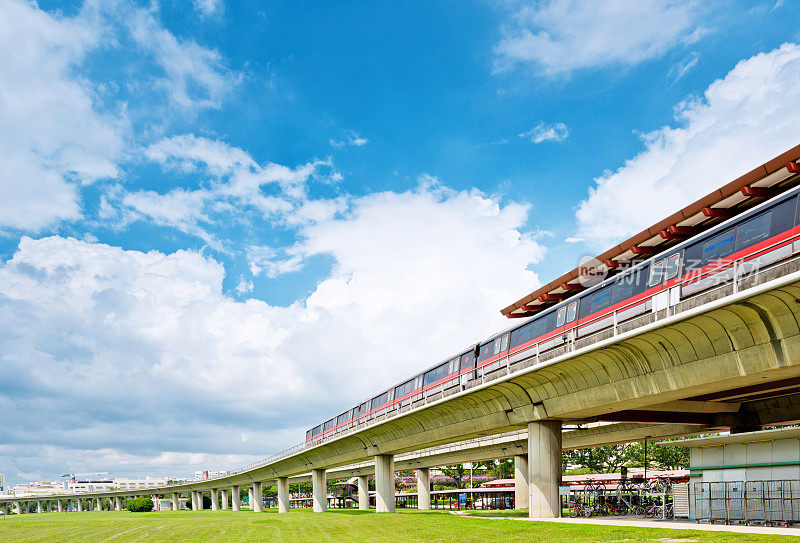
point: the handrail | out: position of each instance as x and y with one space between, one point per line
300 446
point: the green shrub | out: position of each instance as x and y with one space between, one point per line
138 505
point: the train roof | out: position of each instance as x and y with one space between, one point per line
765 181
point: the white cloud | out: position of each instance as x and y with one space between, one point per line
207 8
44 157
244 287
266 260
85 324
195 76
353 139
683 67
235 185
742 120
546 132
561 36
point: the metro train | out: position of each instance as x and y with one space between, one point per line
762 236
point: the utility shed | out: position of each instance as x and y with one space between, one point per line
749 477
766 455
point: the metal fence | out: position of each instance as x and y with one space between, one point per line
748 502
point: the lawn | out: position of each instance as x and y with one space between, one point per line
334 526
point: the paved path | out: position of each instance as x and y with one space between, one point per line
666 524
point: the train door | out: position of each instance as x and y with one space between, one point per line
467 369
665 275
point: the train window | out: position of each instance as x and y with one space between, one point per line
317 431
436 374
672 266
363 408
452 366
418 382
486 350
561 317
718 247
344 417
380 401
404 389
572 311
622 290
504 343
497 346
521 335
753 231
467 361
308 435
328 425
656 273
601 299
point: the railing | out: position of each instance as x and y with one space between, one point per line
570 337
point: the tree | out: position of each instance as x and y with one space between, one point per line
137 505
503 468
457 472
660 456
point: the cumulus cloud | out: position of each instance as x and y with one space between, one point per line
546 132
121 336
742 120
44 158
560 36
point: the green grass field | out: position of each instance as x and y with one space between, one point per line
334 526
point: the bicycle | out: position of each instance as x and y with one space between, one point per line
659 485
578 509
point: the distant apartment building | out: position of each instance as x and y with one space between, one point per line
200 475
90 485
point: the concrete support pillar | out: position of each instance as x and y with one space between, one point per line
521 490
214 499
235 502
319 490
156 503
49 506
99 505
224 496
59 506
256 497
544 468
424 489
363 493
199 500
118 503
283 494
176 501
384 483
39 507
80 504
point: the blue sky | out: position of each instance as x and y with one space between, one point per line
242 217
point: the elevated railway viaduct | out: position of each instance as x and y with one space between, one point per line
727 358
730 363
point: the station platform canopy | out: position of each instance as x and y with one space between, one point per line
765 181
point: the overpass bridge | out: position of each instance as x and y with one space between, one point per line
724 359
